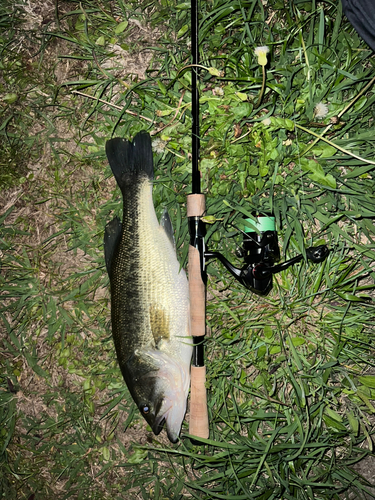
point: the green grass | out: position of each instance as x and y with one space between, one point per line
290 377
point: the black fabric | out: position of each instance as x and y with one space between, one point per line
361 14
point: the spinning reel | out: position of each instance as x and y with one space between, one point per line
260 251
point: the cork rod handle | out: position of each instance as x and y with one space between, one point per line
198 425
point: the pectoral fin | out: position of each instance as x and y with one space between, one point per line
159 323
112 236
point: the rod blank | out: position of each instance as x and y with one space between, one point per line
196 180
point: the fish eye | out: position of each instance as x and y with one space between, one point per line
145 409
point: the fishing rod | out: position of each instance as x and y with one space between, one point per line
259 250
196 206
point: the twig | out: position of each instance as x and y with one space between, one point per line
242 136
319 137
175 116
113 105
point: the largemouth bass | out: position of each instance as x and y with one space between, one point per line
149 293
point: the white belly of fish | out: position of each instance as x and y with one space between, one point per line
166 292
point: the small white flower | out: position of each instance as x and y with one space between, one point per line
158 145
320 110
266 121
218 91
261 53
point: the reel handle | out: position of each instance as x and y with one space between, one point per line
257 276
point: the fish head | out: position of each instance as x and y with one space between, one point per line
160 392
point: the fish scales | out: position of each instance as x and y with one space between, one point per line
149 293
141 272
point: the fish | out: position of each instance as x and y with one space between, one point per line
150 312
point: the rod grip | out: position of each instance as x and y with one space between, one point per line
198 425
196 205
197 292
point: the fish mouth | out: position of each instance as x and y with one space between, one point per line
161 422
158 425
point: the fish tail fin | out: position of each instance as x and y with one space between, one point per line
130 160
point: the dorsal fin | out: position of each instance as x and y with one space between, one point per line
112 236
